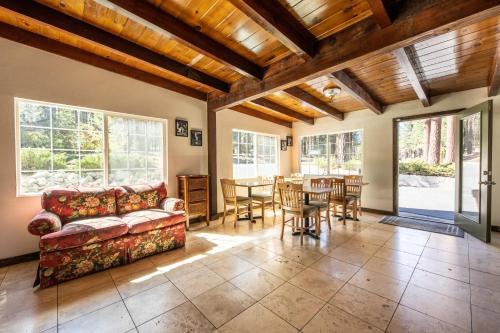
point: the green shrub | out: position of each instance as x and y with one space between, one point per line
35 159
421 168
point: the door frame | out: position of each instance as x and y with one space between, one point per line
395 149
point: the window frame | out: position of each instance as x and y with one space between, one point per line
328 150
256 149
105 133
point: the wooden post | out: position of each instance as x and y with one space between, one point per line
212 162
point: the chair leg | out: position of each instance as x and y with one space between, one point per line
282 225
263 206
274 208
355 210
359 207
301 231
328 217
224 216
344 208
236 210
318 224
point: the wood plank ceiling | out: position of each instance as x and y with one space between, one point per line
269 59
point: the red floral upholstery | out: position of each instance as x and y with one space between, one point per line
80 232
138 197
150 219
59 266
84 232
155 241
44 223
71 203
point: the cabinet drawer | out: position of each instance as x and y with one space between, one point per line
198 195
198 208
197 183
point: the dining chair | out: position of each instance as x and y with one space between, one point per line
292 203
231 199
354 186
322 201
276 192
339 196
264 195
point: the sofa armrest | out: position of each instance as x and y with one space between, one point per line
44 223
172 205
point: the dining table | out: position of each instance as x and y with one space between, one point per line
250 185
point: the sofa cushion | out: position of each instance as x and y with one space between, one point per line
72 203
139 197
150 219
83 232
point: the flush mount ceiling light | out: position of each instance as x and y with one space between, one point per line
331 92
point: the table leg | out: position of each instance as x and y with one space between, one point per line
309 232
250 210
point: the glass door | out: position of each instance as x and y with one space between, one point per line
474 176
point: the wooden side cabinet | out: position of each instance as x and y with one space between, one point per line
193 189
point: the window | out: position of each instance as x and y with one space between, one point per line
69 146
254 154
332 154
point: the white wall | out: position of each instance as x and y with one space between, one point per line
228 120
33 74
377 142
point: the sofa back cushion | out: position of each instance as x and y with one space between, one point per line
76 203
139 197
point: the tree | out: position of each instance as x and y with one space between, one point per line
427 129
434 152
451 122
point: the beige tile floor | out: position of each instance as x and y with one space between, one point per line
362 277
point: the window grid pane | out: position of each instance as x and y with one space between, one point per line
335 154
65 146
254 155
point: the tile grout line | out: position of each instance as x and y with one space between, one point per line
123 300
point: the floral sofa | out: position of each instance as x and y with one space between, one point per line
88 230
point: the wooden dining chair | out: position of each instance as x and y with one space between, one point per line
264 195
292 203
276 192
231 199
339 197
354 186
322 201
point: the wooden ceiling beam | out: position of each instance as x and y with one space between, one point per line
280 23
380 12
284 110
84 30
344 81
165 23
316 103
261 115
494 79
363 41
403 56
46 44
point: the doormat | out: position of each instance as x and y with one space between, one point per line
440 228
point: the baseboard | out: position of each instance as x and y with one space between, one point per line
377 211
495 228
19 259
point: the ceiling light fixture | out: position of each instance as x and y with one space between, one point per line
331 92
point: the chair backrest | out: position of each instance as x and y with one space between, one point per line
320 183
338 189
354 184
228 189
291 197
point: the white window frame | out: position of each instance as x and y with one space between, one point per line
328 155
277 149
105 113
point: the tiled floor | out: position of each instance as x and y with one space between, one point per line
362 277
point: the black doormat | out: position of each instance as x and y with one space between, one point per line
440 228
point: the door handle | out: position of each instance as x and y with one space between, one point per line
488 182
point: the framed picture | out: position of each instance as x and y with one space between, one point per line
283 145
196 138
289 141
181 127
